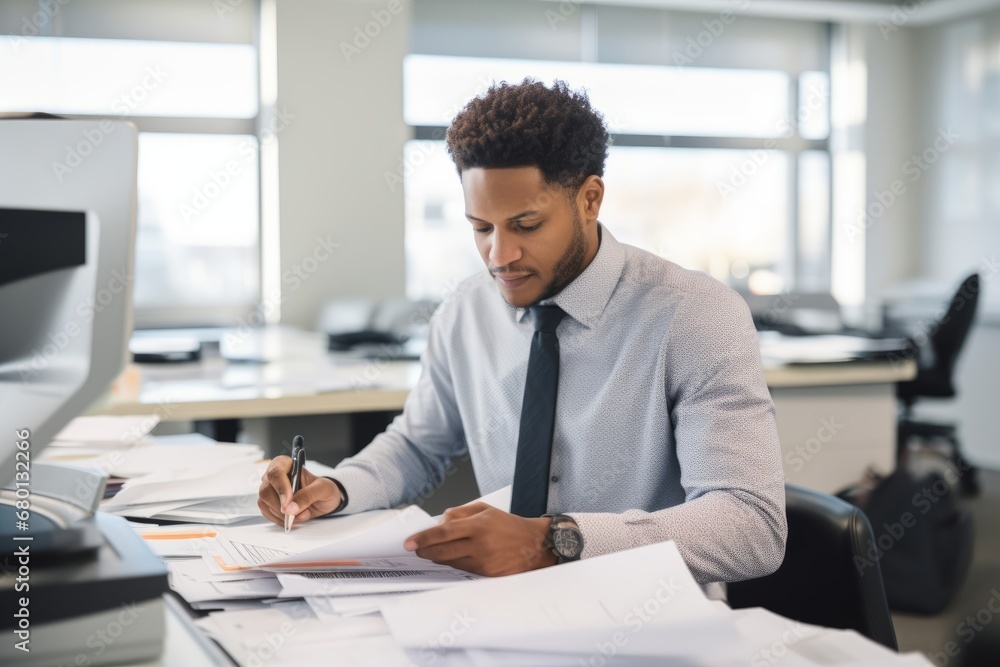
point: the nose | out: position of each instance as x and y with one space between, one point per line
504 248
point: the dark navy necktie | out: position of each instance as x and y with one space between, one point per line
530 492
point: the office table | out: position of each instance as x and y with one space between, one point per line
834 419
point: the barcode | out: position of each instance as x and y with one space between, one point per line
369 574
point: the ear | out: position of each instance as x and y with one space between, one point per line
589 198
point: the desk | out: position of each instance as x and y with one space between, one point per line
834 419
184 645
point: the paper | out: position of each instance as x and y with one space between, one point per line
196 590
384 540
290 634
237 480
111 430
331 608
169 460
772 639
145 511
310 534
495 658
825 348
160 462
199 570
176 541
646 597
221 511
324 543
370 581
499 499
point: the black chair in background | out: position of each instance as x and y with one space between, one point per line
827 577
936 366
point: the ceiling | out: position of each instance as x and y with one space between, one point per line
898 12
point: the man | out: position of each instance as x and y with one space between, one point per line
608 385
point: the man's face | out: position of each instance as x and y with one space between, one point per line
530 235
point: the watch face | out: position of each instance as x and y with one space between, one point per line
566 542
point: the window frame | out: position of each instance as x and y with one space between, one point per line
223 314
793 146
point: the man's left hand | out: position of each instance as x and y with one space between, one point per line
481 539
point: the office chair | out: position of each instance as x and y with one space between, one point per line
934 379
827 577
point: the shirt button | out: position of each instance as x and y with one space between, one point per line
554 478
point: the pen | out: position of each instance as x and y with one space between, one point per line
295 475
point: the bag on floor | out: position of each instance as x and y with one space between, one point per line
923 538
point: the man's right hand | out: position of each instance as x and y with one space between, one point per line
317 495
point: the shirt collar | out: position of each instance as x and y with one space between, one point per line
584 299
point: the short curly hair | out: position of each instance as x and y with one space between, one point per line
528 124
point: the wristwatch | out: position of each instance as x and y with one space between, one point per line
564 538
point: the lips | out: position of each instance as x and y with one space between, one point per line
512 283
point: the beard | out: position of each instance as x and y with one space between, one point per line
570 264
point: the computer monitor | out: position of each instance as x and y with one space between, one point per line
67 239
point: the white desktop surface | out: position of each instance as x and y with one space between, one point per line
307 379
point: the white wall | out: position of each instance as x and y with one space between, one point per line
893 239
346 131
960 63
926 83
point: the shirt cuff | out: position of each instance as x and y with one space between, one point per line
343 497
360 487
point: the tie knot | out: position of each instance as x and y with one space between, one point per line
546 318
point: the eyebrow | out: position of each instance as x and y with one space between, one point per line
513 218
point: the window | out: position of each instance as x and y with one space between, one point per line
720 124
197 106
720 170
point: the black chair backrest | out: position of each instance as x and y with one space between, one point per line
827 577
953 328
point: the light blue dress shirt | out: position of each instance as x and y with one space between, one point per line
664 426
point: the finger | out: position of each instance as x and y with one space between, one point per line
321 490
307 477
443 532
465 511
269 496
269 514
448 552
277 477
308 513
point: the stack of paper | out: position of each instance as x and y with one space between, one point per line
180 478
344 589
634 608
203 589
356 559
345 556
288 633
214 484
103 432
646 594
176 541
